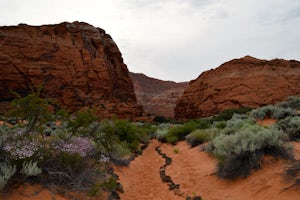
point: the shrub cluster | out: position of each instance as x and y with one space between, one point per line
242 151
228 113
274 112
200 136
177 132
292 102
292 173
290 126
73 152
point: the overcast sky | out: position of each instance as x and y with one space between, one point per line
176 39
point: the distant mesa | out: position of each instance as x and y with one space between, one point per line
244 82
79 65
156 96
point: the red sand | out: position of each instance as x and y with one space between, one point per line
194 171
30 192
266 122
141 180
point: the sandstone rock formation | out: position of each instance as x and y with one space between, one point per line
247 82
157 97
79 65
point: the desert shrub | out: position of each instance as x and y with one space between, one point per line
79 123
292 173
227 114
200 136
31 169
241 152
6 172
19 147
128 133
236 123
178 132
292 102
160 134
274 112
145 131
281 113
219 124
290 126
175 150
120 154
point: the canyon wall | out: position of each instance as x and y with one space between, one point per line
78 64
156 96
245 82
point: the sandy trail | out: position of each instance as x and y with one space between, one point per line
141 180
193 170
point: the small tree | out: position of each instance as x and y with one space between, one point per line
32 108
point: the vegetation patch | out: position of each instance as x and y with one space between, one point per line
200 136
228 113
274 112
290 126
241 151
73 152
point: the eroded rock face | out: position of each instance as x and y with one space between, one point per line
79 65
157 97
247 82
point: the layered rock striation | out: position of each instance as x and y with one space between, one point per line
156 96
78 64
245 82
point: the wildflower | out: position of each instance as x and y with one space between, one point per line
79 145
22 149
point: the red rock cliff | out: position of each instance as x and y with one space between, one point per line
80 66
247 82
157 97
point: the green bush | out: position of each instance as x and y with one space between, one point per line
81 121
178 132
128 133
274 112
235 124
160 134
292 173
120 154
227 114
290 126
31 169
292 102
6 172
241 152
219 124
200 136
